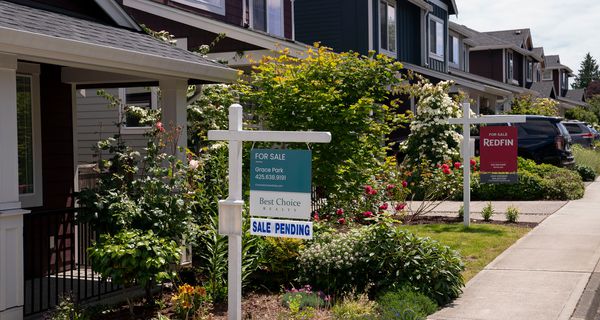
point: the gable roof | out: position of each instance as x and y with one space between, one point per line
544 88
489 41
43 34
576 95
518 37
552 62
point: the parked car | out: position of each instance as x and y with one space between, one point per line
544 140
595 132
580 133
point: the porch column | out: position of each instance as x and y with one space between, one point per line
11 214
174 114
174 109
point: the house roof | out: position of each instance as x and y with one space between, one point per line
490 41
539 51
489 82
39 33
576 94
552 62
544 88
518 37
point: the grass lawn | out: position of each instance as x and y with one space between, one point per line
478 245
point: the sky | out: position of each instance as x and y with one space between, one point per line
567 28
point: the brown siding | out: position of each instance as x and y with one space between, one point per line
487 64
57 139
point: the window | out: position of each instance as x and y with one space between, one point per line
267 16
454 49
28 136
565 80
133 100
387 26
547 75
215 6
510 64
436 37
529 70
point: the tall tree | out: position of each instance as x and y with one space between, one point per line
588 71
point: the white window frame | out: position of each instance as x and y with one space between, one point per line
153 105
205 5
251 13
35 199
544 78
529 70
394 53
435 54
510 66
454 50
564 81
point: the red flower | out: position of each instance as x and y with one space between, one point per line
445 166
391 186
447 171
473 162
400 206
373 192
457 165
316 216
368 189
342 221
404 184
384 206
367 214
160 127
339 212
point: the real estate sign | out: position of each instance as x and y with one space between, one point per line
498 148
280 183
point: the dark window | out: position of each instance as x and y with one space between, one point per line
436 37
573 128
510 66
267 16
453 50
387 25
25 134
538 127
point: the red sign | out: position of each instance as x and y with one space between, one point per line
498 149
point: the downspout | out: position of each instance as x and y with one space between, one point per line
293 21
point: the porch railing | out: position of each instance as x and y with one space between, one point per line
56 262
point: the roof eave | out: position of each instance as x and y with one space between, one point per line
71 52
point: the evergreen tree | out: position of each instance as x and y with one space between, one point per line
587 72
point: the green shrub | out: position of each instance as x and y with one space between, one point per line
280 261
585 172
512 214
304 298
381 257
536 182
360 308
461 212
487 212
405 305
67 310
587 157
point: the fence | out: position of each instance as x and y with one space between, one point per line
56 262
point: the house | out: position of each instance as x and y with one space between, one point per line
250 29
49 49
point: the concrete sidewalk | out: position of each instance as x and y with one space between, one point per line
543 275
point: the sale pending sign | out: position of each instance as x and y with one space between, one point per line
498 148
280 183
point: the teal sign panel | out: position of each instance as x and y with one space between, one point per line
280 170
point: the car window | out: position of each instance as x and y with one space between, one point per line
537 127
573 128
563 130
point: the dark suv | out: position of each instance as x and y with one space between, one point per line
544 140
580 133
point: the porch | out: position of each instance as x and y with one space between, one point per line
42 65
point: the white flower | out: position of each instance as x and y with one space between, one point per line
194 164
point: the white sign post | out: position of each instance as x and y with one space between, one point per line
466 122
230 210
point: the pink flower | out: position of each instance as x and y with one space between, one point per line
373 192
342 221
339 212
367 214
368 189
391 186
316 216
447 171
457 165
445 166
400 206
404 184
473 162
160 127
194 164
384 206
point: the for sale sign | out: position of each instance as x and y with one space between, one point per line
498 148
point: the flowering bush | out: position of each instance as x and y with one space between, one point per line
431 138
528 104
380 257
305 297
190 302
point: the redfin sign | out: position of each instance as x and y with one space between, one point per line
498 151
